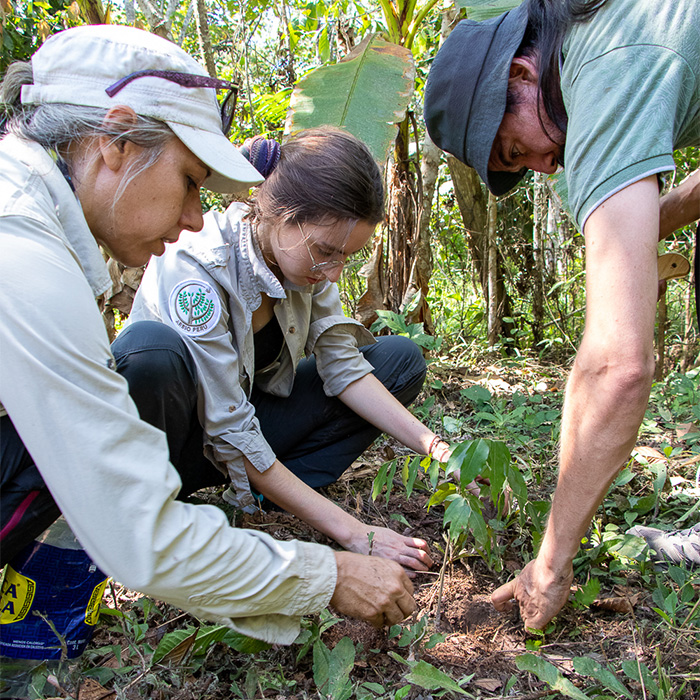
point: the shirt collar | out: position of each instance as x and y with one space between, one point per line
66 207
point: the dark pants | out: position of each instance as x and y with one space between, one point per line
315 436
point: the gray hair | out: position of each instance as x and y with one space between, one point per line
58 126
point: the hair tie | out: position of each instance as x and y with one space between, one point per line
263 154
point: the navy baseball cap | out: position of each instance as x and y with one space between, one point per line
465 95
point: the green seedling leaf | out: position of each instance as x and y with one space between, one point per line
661 474
476 393
246 645
400 518
631 670
630 547
390 479
414 632
332 668
479 529
401 693
435 639
175 647
428 677
517 484
645 504
442 492
468 459
433 472
409 474
498 461
208 636
374 687
550 674
624 477
586 666
457 514
587 593
369 691
451 425
370 539
380 480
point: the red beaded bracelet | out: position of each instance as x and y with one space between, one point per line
434 443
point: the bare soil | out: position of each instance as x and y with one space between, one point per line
478 641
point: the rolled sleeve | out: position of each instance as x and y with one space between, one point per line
338 359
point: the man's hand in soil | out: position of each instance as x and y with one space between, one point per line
539 592
372 589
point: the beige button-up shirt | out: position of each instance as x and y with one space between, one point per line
108 470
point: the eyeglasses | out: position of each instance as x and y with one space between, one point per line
325 266
188 80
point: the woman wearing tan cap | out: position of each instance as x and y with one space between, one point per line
111 133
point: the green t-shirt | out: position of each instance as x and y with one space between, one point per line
631 86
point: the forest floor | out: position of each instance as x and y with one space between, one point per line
629 631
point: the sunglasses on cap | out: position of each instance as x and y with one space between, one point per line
188 80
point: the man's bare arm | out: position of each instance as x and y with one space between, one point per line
680 206
607 391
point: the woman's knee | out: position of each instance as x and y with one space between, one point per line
399 364
151 353
160 371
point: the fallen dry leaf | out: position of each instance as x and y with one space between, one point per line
490 684
90 689
618 604
684 429
650 454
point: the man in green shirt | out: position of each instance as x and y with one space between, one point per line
608 89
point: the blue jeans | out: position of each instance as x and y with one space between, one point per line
317 437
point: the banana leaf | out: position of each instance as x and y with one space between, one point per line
480 10
366 93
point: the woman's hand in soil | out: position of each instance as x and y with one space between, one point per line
412 553
372 589
540 593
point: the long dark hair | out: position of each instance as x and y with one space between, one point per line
548 23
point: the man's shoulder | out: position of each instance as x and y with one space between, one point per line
619 24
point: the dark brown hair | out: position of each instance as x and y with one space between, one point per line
323 175
548 23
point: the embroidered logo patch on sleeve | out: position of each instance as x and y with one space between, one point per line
195 307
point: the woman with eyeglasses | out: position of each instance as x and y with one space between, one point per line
286 392
110 134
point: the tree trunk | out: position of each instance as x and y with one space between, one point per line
204 37
662 318
285 54
473 206
540 221
409 258
422 268
688 355
402 224
92 11
494 321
